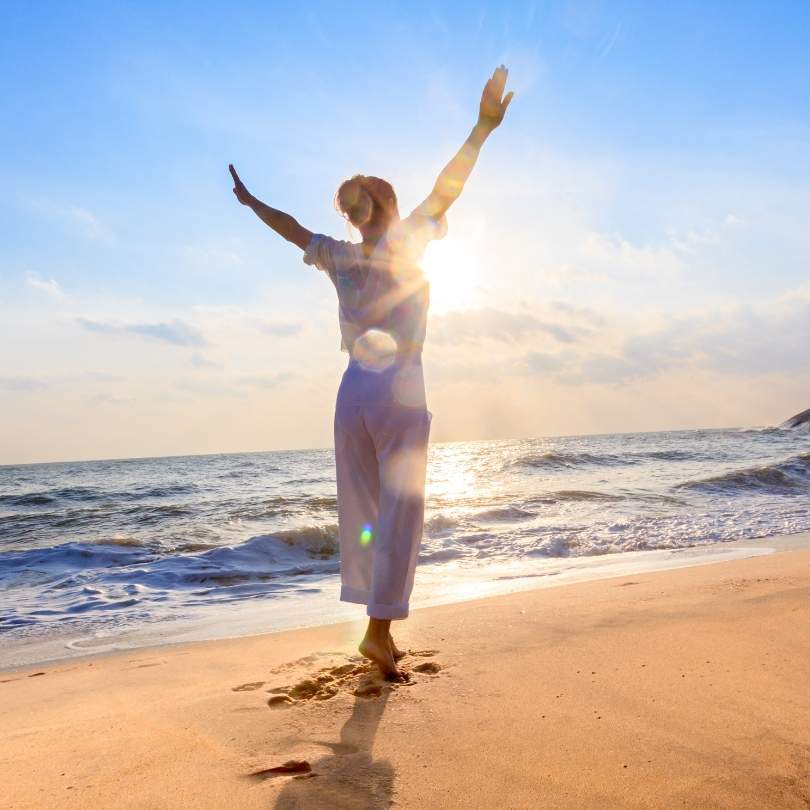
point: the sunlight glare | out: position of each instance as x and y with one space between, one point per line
453 275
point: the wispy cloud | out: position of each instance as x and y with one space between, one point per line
110 399
75 219
746 341
495 324
83 221
751 341
238 386
207 388
46 285
230 318
175 332
266 380
92 377
209 257
612 255
201 361
22 384
590 317
278 328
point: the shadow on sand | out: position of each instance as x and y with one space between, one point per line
349 777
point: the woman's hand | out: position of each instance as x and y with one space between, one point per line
493 102
453 176
283 224
242 194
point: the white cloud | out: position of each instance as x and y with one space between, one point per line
766 339
110 399
494 324
46 285
211 257
266 380
83 221
76 219
278 328
229 319
201 361
22 384
612 255
175 332
206 388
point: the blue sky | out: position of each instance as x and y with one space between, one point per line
648 193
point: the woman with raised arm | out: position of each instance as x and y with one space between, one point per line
381 417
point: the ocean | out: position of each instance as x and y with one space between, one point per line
92 551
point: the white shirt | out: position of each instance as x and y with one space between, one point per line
385 291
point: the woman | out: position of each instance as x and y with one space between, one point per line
381 419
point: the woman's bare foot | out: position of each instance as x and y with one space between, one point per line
380 653
395 651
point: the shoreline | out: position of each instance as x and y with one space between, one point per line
270 617
671 688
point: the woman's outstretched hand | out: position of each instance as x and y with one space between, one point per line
493 102
242 194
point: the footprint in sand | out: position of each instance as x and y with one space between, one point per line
248 687
280 701
359 677
32 675
305 661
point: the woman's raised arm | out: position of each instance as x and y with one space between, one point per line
450 182
283 224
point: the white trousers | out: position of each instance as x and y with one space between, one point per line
381 436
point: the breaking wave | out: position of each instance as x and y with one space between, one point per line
791 476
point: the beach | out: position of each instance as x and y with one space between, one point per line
676 688
323 316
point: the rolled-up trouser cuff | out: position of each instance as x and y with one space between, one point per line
374 610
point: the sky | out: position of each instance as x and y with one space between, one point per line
631 252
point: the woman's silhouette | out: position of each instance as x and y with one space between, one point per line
381 418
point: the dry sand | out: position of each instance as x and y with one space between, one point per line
683 688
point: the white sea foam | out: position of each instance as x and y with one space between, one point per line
98 546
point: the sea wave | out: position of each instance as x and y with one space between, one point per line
584 495
557 460
261 554
85 577
790 476
91 494
504 514
105 543
440 523
566 460
672 455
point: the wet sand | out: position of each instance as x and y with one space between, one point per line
679 688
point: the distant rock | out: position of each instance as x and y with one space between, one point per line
802 418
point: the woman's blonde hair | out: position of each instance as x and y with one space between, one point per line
363 198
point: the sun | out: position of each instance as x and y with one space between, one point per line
453 275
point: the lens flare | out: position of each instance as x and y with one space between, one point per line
375 350
367 535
